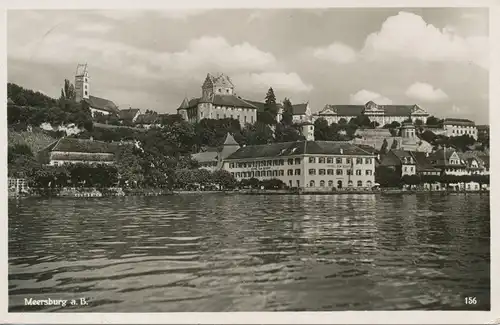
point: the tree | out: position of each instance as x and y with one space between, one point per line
434 121
387 177
258 133
270 103
286 133
411 180
342 121
68 91
287 118
419 122
383 149
321 129
224 179
462 142
361 121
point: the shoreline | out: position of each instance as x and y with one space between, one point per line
150 193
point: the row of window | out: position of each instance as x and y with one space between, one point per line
330 160
296 172
330 183
409 169
463 132
297 161
263 173
263 163
358 172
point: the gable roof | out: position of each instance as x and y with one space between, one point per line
442 157
283 149
205 156
230 140
102 104
356 110
231 101
423 162
128 114
147 119
82 146
299 109
458 121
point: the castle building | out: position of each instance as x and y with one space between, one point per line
455 127
218 101
82 93
382 114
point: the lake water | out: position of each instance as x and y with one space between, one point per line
217 252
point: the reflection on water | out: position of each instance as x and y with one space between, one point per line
251 253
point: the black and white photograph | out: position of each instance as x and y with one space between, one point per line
248 159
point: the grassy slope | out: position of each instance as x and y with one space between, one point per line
36 140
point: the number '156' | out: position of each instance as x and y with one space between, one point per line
470 300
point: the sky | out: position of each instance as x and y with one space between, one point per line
434 57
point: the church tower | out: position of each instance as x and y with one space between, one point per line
82 84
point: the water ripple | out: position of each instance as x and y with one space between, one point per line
251 253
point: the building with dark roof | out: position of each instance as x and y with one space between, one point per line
82 94
212 158
129 115
382 114
218 101
73 150
455 127
305 164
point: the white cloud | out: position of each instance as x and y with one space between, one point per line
407 35
205 53
336 52
363 96
260 82
425 92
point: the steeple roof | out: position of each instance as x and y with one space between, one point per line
230 141
185 103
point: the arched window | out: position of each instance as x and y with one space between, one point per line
360 183
349 183
312 184
339 184
369 184
322 183
330 183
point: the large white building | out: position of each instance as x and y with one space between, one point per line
382 114
305 164
455 127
